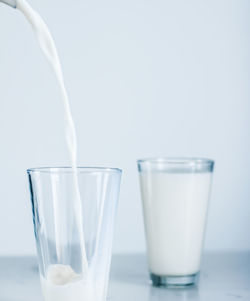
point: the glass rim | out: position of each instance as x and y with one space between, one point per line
180 161
69 169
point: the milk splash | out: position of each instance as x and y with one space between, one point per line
48 47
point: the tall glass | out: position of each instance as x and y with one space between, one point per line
73 215
175 194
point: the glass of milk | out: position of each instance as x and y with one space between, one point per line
175 194
73 215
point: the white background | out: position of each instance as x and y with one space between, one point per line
145 78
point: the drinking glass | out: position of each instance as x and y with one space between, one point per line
175 194
73 214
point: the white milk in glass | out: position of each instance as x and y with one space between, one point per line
175 209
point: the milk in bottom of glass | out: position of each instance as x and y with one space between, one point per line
64 277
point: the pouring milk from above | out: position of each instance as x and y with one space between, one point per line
61 281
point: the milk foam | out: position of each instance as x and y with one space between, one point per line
63 284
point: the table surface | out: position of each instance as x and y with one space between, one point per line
225 276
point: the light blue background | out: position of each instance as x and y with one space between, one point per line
145 78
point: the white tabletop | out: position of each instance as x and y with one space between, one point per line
225 276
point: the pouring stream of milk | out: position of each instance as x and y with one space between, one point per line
49 49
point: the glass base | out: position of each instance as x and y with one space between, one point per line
174 281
